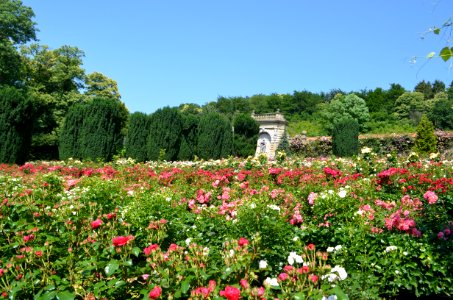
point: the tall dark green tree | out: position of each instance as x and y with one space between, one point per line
188 146
165 134
94 130
70 136
16 114
442 114
246 131
345 137
137 136
214 136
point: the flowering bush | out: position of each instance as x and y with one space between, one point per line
230 229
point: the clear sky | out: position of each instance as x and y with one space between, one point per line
168 52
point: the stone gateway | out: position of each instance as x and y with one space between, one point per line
272 129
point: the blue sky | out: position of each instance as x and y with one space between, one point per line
168 52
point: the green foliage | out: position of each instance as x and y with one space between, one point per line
99 85
101 134
70 137
410 105
190 121
164 133
283 146
442 114
345 107
246 131
93 130
16 22
214 136
425 141
345 136
137 136
10 64
16 113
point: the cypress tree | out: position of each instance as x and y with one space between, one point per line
215 139
164 134
188 144
137 136
345 138
101 135
16 117
246 131
93 130
69 140
425 141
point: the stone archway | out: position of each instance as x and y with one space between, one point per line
272 130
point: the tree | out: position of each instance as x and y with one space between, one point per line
94 130
16 23
70 138
442 114
425 141
99 85
54 71
16 27
137 136
345 137
16 113
246 131
164 134
425 88
214 136
410 105
345 107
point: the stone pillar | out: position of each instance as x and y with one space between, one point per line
272 129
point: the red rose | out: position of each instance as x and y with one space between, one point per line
313 278
121 240
311 247
243 242
231 293
96 223
155 292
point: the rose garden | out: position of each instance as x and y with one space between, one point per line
359 228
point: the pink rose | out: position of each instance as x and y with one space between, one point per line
155 292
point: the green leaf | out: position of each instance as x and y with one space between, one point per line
339 293
299 296
136 251
431 54
185 285
65 295
111 268
436 30
446 53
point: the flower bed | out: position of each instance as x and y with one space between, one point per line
308 229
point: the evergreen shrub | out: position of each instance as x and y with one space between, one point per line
164 134
215 138
425 141
345 138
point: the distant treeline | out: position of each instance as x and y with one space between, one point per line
51 109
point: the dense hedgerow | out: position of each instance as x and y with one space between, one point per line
137 136
215 139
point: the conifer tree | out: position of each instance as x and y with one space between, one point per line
425 141
16 117
188 144
215 137
102 131
69 140
137 135
164 134
345 138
